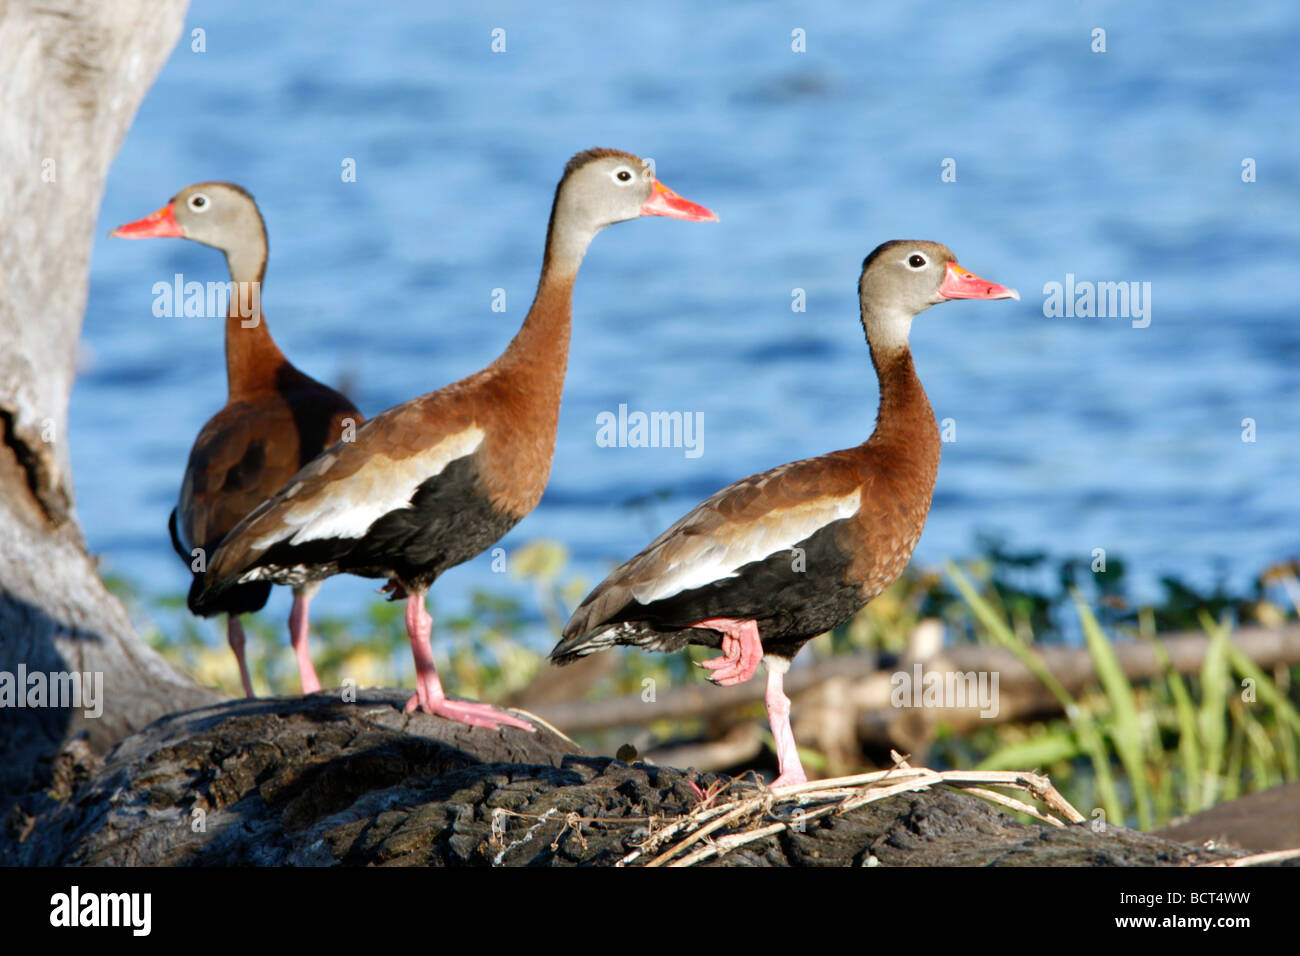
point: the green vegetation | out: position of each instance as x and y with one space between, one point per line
1142 752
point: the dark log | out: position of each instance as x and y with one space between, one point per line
316 781
1259 822
75 71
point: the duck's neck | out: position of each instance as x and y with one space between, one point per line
905 424
538 355
253 360
903 403
540 349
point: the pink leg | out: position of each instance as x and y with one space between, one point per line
235 635
299 632
741 650
778 714
429 696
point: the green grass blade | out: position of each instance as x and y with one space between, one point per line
1286 745
1189 749
1212 715
1128 729
1003 635
1261 755
1236 754
1080 717
1265 690
1037 752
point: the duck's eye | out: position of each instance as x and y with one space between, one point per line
916 261
623 175
199 202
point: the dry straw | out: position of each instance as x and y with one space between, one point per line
717 826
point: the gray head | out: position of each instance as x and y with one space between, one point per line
904 277
604 186
217 214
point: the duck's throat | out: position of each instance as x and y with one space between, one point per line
538 356
253 360
905 423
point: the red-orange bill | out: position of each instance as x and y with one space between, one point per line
664 202
960 283
155 225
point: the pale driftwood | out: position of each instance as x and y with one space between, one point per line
1259 859
1021 692
74 73
735 747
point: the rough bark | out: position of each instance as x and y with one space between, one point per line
75 72
316 781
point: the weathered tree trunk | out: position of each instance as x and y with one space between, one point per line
317 781
74 73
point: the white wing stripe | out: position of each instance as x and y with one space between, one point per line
351 505
716 561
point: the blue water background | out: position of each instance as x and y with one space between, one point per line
1072 434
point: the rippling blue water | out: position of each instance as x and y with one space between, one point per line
1072 433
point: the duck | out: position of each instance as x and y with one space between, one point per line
435 481
275 420
777 558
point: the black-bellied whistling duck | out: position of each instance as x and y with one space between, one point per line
777 558
276 419
435 481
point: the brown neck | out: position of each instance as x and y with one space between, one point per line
905 423
536 359
253 360
538 356
522 391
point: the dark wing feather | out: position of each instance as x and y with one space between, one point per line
339 491
242 455
741 524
